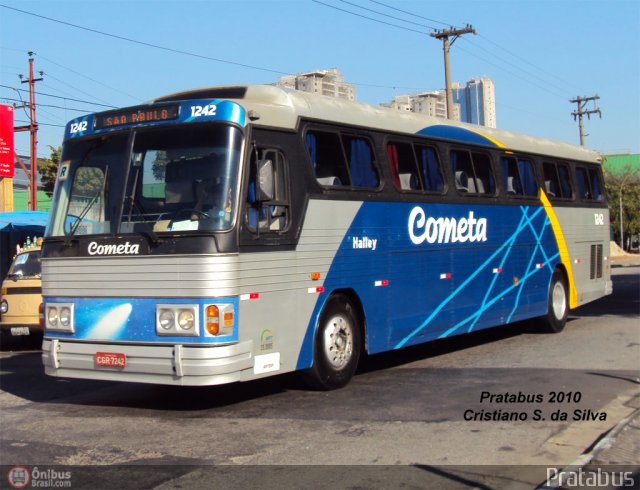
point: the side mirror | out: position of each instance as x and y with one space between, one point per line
266 181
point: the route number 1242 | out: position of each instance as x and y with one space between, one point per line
207 110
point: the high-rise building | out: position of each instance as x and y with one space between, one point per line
431 103
323 82
474 103
477 102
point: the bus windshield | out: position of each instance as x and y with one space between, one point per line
167 180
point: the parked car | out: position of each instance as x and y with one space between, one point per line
21 297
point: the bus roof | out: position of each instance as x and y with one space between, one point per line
277 107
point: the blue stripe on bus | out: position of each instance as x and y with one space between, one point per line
133 319
486 283
459 134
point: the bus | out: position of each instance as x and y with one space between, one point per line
231 233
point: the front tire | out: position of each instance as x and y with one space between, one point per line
337 345
558 304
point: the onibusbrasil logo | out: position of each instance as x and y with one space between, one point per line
23 477
19 477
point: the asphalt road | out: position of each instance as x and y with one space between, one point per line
421 416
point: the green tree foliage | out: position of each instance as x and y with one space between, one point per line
48 169
626 181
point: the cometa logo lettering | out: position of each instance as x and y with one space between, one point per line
445 230
113 249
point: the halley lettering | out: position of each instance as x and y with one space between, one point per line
113 249
445 230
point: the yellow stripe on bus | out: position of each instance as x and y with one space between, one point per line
495 142
562 248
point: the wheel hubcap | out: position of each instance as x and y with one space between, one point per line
559 300
338 341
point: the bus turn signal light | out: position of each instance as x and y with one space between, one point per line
213 319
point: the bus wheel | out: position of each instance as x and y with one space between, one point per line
558 304
337 345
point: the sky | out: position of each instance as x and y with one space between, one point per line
96 55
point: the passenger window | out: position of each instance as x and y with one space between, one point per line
518 177
556 180
584 189
596 185
267 213
565 181
429 168
472 173
327 158
589 185
403 166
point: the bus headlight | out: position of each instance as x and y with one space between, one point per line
165 319
65 316
186 319
177 319
59 317
52 317
4 306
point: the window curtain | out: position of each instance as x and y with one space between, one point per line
528 178
392 154
430 170
361 165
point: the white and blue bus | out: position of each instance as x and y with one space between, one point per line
232 233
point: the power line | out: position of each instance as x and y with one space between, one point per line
410 13
368 18
386 15
144 43
60 97
54 106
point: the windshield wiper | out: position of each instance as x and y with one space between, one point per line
149 233
86 209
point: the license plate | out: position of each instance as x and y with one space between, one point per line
111 359
19 330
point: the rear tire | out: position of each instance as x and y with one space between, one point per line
558 304
337 345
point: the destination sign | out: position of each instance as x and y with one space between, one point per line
136 115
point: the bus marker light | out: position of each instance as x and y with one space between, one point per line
539 266
497 270
515 281
319 289
447 275
383 282
245 297
577 261
315 276
228 319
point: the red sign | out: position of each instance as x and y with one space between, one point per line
7 158
111 359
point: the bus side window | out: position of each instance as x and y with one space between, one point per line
327 158
565 181
551 183
596 185
584 189
463 171
485 183
403 166
511 176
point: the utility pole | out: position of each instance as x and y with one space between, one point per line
33 130
444 36
582 102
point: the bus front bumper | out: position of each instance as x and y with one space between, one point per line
160 364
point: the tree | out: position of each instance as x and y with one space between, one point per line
48 170
625 182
